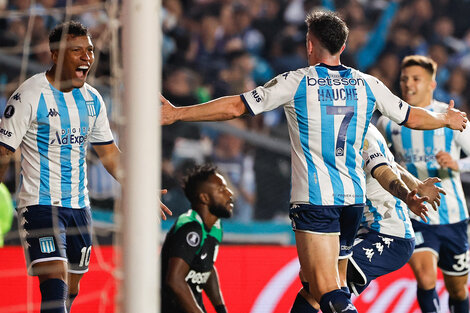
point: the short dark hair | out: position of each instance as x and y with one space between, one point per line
420 60
192 182
328 28
73 28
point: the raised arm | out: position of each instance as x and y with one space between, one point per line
393 184
212 289
221 109
420 118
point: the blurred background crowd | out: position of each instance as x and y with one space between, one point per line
213 48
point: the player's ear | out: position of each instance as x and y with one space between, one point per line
204 198
54 55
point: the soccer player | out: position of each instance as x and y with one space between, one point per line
52 117
442 241
328 108
385 240
191 246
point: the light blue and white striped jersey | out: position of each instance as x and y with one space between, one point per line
328 110
53 128
383 212
416 150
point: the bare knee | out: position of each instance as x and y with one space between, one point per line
74 283
456 286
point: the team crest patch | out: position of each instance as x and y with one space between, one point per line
47 244
193 239
9 111
90 105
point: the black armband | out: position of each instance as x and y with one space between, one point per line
220 308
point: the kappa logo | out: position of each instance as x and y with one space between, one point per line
369 253
400 104
47 244
52 113
17 97
387 241
193 239
379 246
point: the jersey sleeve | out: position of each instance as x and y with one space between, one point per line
101 132
278 91
372 155
388 104
186 242
16 119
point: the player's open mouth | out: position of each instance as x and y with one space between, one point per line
81 71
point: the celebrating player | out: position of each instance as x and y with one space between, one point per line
53 116
191 246
385 240
442 242
328 108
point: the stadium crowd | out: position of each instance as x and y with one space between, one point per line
215 47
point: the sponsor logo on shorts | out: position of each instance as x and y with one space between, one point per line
193 239
47 244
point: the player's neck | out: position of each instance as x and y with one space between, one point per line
57 82
328 59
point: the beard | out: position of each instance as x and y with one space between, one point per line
220 211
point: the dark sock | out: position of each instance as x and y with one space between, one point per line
336 301
458 306
301 305
428 300
70 301
53 296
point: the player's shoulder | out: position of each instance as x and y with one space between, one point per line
189 221
30 90
92 91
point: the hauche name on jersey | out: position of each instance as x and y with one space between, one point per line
71 136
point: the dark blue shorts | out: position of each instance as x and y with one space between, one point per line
375 255
448 242
336 220
51 233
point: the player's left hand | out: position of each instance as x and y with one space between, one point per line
416 204
446 161
163 208
456 119
429 189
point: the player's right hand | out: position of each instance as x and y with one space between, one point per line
168 112
455 119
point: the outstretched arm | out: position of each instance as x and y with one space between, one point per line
109 155
427 188
212 289
420 118
393 184
220 109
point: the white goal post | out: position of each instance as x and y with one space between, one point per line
141 156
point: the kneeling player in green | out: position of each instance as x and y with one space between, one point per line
191 246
